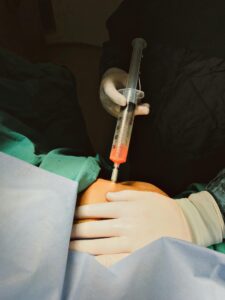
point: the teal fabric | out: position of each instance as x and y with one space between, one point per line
195 188
219 247
82 169
18 140
59 161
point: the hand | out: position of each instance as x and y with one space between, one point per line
111 99
132 219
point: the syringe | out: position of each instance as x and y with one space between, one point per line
125 120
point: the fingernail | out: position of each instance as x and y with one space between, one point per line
123 102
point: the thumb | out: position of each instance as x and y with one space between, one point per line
111 91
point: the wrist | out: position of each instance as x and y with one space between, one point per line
204 218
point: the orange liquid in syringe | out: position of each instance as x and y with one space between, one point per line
119 154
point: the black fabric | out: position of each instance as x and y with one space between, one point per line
183 76
217 188
183 139
196 25
43 96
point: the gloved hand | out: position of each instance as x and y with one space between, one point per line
134 219
111 99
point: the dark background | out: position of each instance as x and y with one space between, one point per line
66 32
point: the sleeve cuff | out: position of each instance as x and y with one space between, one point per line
204 218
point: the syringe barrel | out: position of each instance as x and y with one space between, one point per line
125 120
122 134
138 46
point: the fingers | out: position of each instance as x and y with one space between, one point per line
96 229
115 96
112 108
133 195
111 98
112 245
142 109
125 195
123 79
112 80
99 210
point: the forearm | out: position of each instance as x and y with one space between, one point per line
204 218
205 211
